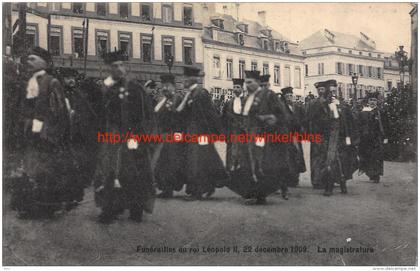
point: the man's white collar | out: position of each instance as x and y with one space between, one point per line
109 82
367 109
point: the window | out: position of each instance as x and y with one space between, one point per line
265 69
55 6
265 44
287 76
31 35
254 66
378 72
379 56
216 93
370 71
146 47
229 68
339 49
78 43
350 52
124 41
360 70
188 18
167 13
389 84
320 68
188 51
297 77
306 70
350 69
101 9
218 23
241 69
360 53
78 8
340 68
146 12
55 40
123 10
216 67
370 54
167 47
277 46
277 75
102 38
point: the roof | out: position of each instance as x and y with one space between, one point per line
320 39
227 35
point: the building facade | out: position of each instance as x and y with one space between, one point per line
392 75
414 50
149 33
232 46
333 55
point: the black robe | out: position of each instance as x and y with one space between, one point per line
331 158
46 161
233 124
262 168
371 150
171 167
125 110
296 161
205 170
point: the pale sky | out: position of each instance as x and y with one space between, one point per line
388 24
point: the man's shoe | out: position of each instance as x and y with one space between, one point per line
261 201
192 198
106 218
252 201
327 193
165 195
209 194
343 187
136 216
285 196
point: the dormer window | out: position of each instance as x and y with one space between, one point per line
265 44
243 27
219 23
241 40
277 46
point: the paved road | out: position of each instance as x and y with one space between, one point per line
382 217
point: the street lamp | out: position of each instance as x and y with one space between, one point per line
354 79
402 60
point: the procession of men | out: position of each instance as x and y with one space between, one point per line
59 113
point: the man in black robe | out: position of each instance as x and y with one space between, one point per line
263 162
334 158
233 124
123 175
295 125
171 166
205 170
372 139
42 190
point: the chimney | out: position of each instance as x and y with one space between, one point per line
261 18
237 11
225 10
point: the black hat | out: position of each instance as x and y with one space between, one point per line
330 83
191 71
238 81
111 57
42 53
67 72
287 90
150 83
265 78
320 84
253 74
167 78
